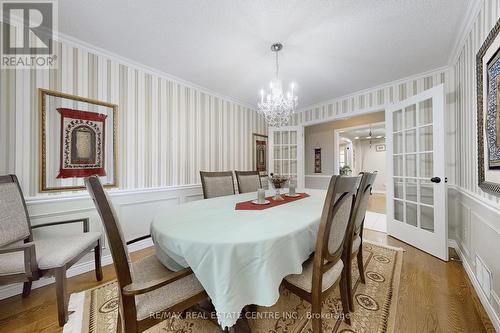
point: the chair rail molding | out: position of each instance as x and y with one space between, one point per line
475 231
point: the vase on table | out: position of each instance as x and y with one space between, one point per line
277 182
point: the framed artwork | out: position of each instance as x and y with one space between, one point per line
260 153
380 148
488 112
317 160
77 139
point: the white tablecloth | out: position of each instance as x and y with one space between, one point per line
239 256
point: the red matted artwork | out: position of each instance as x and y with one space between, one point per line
260 155
82 143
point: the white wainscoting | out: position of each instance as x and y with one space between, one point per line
135 208
475 231
318 181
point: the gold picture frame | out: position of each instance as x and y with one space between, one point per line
49 122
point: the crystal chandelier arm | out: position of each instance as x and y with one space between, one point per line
277 66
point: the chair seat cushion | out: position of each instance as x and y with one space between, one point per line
51 252
150 268
304 280
356 243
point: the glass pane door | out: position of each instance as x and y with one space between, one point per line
416 207
413 165
286 145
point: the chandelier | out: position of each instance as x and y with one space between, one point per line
276 106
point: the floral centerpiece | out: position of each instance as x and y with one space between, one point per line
278 182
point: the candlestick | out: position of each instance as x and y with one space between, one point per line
261 196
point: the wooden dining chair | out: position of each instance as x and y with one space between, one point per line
148 290
217 184
248 181
26 258
353 247
325 268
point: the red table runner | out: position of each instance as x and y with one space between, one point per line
248 205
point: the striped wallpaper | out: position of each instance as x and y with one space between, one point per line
168 131
373 97
464 86
390 93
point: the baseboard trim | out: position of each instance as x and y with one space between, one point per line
475 283
77 269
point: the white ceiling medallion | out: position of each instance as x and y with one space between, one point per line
277 107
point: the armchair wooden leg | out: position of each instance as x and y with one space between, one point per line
26 288
62 309
348 272
316 316
98 265
344 297
361 268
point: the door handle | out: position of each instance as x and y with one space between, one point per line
436 180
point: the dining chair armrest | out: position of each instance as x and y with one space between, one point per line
145 287
84 220
30 264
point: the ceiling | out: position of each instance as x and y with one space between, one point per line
378 130
331 48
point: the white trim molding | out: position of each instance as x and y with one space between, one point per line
371 89
473 8
73 41
495 319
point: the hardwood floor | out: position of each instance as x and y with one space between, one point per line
377 203
434 296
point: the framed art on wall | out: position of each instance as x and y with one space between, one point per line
488 112
77 139
380 148
260 153
317 160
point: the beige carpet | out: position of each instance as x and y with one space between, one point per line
95 310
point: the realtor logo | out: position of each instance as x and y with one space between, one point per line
28 29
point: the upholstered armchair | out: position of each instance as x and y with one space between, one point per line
24 258
325 268
148 290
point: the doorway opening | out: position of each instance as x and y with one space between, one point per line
350 146
362 148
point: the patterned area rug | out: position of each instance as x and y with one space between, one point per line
95 310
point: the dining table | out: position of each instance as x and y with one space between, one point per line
239 256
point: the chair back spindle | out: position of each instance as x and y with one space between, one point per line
116 241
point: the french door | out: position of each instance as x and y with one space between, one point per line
286 152
416 196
